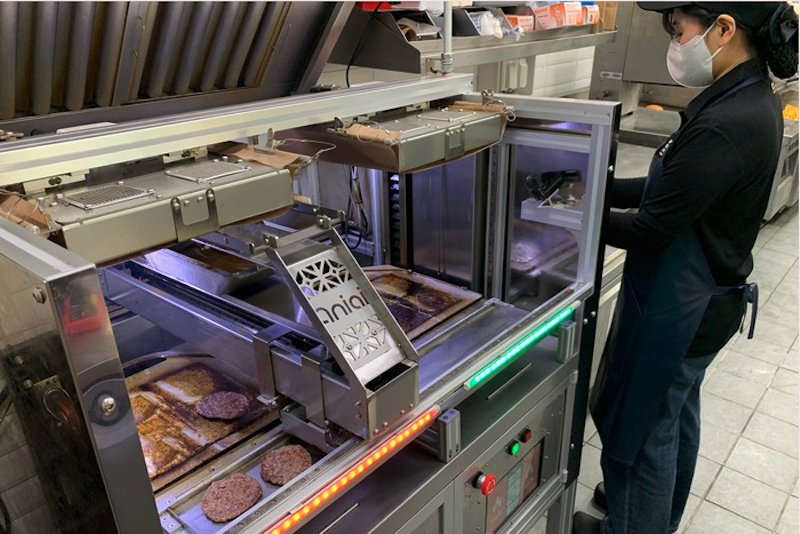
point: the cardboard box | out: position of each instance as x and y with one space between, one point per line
573 14
591 14
550 16
526 22
608 15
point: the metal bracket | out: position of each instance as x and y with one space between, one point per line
195 214
454 141
444 437
197 154
43 184
295 423
566 340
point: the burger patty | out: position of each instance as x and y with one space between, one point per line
225 405
228 498
284 463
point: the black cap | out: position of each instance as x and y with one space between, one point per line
753 15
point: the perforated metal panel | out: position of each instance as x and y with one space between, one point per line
104 196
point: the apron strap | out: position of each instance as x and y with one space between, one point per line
750 292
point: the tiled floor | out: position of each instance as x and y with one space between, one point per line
747 474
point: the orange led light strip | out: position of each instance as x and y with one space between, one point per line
357 470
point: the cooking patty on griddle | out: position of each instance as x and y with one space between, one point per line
228 498
225 405
281 465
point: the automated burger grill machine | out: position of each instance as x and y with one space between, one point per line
467 427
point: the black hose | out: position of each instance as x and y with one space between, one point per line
357 49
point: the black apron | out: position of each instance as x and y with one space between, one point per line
662 303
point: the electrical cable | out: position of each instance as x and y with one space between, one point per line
355 200
357 49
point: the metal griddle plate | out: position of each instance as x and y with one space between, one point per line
179 505
418 302
175 439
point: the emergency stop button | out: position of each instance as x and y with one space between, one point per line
486 483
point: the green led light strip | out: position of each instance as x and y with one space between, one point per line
499 362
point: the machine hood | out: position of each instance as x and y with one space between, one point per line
71 63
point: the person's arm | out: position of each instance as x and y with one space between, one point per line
688 186
627 192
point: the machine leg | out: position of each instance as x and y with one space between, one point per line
559 516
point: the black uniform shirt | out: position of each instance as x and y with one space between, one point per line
717 177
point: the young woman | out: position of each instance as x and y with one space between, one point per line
684 287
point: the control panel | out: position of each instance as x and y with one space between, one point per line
514 469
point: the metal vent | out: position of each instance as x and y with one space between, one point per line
105 196
207 171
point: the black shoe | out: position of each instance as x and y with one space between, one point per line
600 500
583 523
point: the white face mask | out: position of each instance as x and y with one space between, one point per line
690 64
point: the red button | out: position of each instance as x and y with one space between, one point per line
488 484
526 436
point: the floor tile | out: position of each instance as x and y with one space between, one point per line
760 349
692 505
763 464
716 443
11 436
775 333
590 474
541 525
748 498
15 468
776 434
596 441
789 523
739 390
766 234
770 257
786 381
780 406
748 367
789 284
792 359
37 521
24 498
589 430
723 413
583 501
787 303
796 490
767 273
704 475
712 519
775 311
782 242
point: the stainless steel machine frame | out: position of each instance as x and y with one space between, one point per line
492 359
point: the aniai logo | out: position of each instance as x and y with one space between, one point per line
346 306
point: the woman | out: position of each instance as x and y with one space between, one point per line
689 254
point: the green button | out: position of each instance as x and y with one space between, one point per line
513 449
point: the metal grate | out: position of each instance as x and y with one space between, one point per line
105 196
207 171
